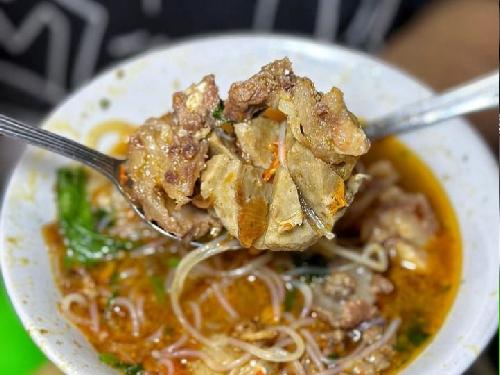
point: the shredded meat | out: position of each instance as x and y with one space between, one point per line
403 223
346 298
166 156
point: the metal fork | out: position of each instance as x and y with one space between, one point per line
473 96
104 164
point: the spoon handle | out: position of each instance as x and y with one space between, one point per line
476 95
60 145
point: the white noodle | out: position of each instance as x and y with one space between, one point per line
167 284
302 323
127 304
278 282
149 248
81 300
155 336
211 363
217 246
140 309
247 268
195 308
94 316
125 274
297 368
169 365
272 354
312 350
224 302
273 291
179 343
365 258
308 297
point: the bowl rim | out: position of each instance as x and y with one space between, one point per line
325 47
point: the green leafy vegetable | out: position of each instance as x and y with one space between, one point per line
127 368
416 334
333 356
104 219
173 261
290 297
158 288
104 103
218 113
84 244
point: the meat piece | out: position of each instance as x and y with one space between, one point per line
256 138
346 298
166 156
240 197
218 144
403 223
382 176
319 121
259 91
320 186
322 123
219 185
253 196
287 229
279 182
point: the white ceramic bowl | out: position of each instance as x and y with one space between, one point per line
453 150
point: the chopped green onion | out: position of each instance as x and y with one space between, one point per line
290 297
158 288
127 368
173 261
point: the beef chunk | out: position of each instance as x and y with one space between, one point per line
166 156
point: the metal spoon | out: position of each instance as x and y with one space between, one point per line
472 97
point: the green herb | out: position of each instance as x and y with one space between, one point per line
127 368
84 244
416 334
290 296
113 295
173 261
158 288
104 219
218 113
333 356
168 331
115 277
444 289
104 103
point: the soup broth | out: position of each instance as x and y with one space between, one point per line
123 305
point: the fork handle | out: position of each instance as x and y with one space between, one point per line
60 145
477 95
